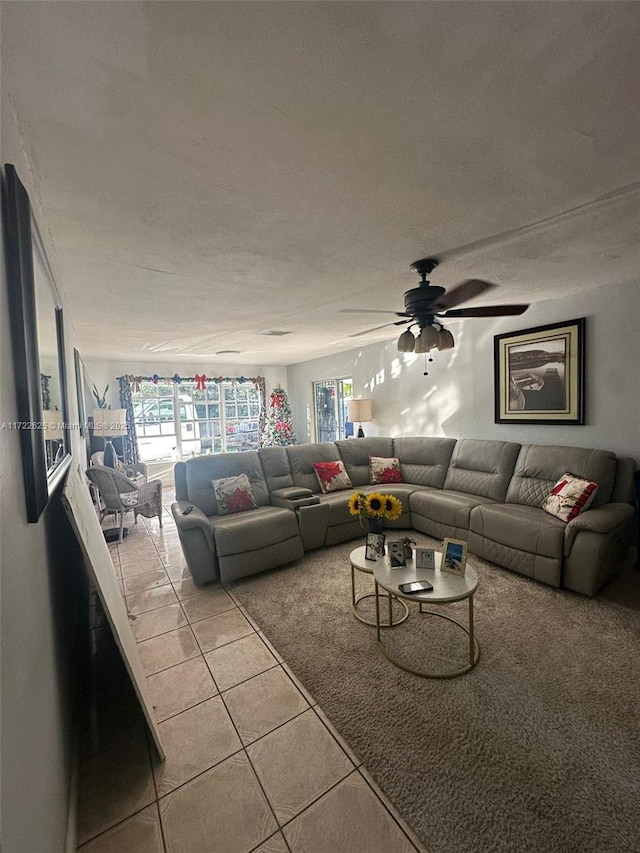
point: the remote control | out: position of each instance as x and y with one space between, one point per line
187 510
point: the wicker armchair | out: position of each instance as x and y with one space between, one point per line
120 494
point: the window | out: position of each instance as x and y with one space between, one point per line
175 421
331 397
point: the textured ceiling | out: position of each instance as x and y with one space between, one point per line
209 171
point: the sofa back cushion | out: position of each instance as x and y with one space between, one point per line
355 453
482 468
424 461
197 475
275 464
301 460
539 467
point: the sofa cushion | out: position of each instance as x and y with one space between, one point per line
331 476
249 531
523 528
233 494
449 508
483 468
540 466
356 452
424 461
384 470
302 457
194 478
569 497
275 464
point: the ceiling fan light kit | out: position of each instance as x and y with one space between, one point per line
428 305
445 339
406 341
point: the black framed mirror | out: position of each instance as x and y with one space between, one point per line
37 332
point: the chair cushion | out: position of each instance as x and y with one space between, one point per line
233 494
245 532
384 470
332 476
129 498
569 497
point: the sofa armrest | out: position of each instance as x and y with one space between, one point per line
601 520
293 497
196 518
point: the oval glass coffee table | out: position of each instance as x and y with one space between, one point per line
447 588
360 564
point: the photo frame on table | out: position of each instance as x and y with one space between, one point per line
375 546
539 375
425 558
396 554
454 557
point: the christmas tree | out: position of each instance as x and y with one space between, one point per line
278 429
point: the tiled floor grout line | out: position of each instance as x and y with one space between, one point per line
279 663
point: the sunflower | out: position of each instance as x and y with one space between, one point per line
392 507
357 504
375 505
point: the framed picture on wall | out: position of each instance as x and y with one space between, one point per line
539 375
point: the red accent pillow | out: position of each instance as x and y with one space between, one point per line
332 476
569 497
383 470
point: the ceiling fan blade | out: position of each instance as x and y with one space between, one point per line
487 311
464 291
375 329
364 311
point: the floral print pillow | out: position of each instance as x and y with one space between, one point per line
233 494
332 476
384 470
569 497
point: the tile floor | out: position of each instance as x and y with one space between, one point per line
252 763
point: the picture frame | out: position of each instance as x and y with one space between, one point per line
454 557
396 554
425 558
539 375
374 548
37 341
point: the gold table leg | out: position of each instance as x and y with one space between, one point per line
474 648
355 599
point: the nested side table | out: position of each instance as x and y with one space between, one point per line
360 564
447 588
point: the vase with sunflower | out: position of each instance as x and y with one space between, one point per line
374 508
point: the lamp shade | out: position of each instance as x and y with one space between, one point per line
359 411
406 341
427 340
108 423
445 339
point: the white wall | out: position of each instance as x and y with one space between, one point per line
41 599
456 398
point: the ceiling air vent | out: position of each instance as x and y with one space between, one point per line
276 333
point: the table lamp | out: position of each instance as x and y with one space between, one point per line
107 424
359 411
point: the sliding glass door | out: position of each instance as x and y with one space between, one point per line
330 399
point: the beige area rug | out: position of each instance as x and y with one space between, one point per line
536 749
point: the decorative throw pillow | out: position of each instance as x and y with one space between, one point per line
233 494
332 476
384 470
569 497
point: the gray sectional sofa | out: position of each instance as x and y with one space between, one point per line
488 493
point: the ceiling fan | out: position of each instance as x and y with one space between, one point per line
427 306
